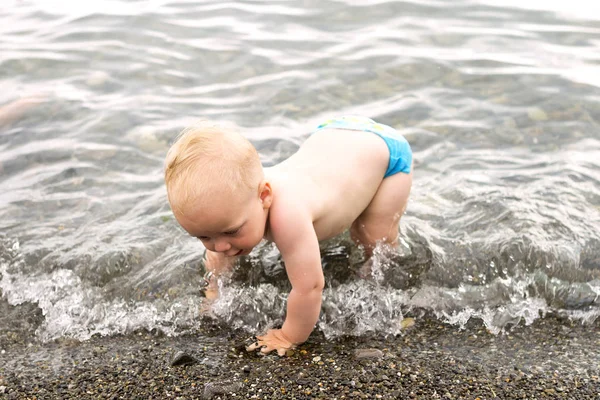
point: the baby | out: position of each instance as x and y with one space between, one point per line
350 173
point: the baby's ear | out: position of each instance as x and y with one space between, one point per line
265 194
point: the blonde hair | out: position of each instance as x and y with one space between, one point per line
205 158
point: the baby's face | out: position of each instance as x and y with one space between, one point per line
232 225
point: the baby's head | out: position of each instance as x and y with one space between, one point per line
217 189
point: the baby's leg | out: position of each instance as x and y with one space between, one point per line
380 220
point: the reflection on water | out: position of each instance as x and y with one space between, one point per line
500 102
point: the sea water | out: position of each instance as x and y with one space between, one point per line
499 100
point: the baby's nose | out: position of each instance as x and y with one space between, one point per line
222 246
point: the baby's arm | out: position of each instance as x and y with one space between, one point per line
299 247
216 264
302 257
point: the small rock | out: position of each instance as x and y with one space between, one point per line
212 389
182 358
316 358
362 354
97 78
2 389
146 138
537 114
407 323
246 369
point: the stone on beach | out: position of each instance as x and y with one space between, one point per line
182 358
363 354
212 389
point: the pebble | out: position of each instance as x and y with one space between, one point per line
97 78
537 114
362 354
212 389
2 389
407 323
182 358
146 138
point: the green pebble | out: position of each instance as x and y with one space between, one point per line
537 114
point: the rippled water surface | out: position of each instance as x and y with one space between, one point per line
499 99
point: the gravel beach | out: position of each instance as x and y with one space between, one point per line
553 358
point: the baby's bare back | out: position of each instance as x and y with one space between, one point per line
336 174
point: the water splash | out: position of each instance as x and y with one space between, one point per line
74 308
378 304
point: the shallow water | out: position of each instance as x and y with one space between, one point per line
500 101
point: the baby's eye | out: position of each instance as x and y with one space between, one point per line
231 233
202 237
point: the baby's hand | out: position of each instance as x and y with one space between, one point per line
210 286
274 339
210 290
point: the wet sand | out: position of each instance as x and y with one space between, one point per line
553 358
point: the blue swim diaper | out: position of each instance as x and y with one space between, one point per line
400 152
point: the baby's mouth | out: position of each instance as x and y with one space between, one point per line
243 252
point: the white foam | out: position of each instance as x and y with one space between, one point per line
72 308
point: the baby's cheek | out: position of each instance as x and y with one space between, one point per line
239 242
247 242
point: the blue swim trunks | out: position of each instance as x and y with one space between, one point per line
400 152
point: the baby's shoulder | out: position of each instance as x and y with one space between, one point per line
288 210
289 205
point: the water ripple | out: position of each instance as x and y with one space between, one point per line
500 101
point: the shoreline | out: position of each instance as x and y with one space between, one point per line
552 358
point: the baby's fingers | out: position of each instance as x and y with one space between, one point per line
254 346
267 349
